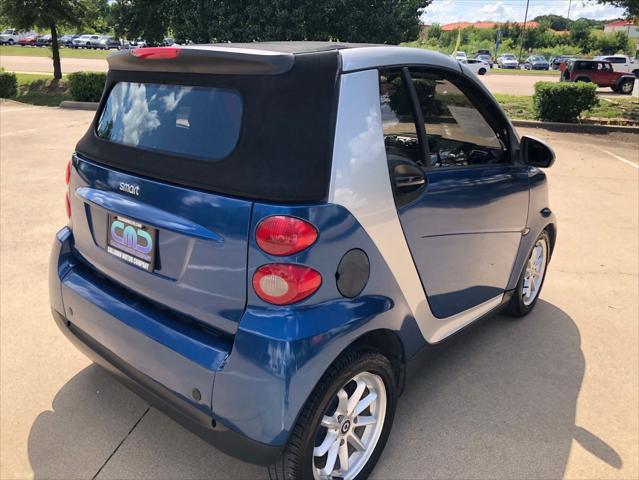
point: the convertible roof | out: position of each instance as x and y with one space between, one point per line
270 58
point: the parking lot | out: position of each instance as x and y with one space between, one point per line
554 395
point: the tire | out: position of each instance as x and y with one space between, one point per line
519 305
626 87
636 73
482 71
297 462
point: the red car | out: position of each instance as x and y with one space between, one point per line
28 39
599 72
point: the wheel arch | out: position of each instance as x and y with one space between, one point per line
388 343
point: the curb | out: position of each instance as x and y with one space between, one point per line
576 127
79 105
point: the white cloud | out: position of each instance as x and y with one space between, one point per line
448 11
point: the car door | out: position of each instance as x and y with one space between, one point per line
606 76
461 199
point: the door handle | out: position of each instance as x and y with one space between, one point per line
402 181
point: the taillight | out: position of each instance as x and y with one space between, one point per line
283 284
67 178
281 235
155 52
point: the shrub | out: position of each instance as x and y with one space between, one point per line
563 102
8 85
86 86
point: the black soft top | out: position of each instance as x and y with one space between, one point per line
285 145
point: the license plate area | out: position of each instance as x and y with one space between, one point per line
132 242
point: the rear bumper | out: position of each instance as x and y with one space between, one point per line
169 363
163 399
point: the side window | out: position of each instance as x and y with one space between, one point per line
457 132
400 132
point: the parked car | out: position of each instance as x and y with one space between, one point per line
507 60
599 72
84 41
104 42
28 39
459 56
555 62
277 314
138 43
67 40
43 40
536 62
478 67
9 36
167 42
622 63
486 57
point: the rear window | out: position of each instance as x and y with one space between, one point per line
200 122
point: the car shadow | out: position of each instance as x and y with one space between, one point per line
497 401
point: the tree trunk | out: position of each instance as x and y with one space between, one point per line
55 50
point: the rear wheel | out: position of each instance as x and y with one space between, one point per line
482 71
532 278
343 428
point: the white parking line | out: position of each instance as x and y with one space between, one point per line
19 109
19 132
621 159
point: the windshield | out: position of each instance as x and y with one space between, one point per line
509 57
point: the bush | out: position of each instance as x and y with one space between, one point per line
86 86
563 102
8 85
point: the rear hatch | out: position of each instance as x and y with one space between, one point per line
184 141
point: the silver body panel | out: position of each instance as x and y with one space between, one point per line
360 182
363 58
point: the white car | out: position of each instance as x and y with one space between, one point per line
477 66
507 60
459 56
622 63
9 36
84 41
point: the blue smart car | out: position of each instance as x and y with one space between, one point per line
264 238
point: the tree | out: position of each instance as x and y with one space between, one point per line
631 6
147 19
556 22
45 14
203 21
580 34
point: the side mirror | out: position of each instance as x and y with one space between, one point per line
537 153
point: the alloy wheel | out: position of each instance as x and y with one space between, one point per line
350 428
535 270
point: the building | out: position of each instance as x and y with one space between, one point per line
626 26
461 25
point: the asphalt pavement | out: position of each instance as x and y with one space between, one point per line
553 395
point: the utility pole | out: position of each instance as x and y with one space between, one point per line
523 32
569 5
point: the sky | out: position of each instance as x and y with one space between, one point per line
448 11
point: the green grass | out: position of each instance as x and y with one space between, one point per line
516 106
619 110
41 89
16 50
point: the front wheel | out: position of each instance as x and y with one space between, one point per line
482 71
342 430
531 279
